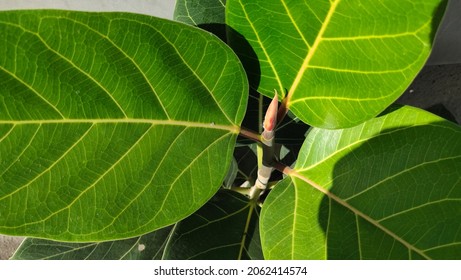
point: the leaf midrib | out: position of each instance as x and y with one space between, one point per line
231 128
311 52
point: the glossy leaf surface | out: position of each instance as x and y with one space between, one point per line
146 247
224 228
337 63
387 189
111 125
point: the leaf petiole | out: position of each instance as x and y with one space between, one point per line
250 134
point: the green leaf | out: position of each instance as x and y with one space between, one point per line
206 14
146 247
337 63
389 188
224 228
231 219
231 175
246 157
199 12
112 125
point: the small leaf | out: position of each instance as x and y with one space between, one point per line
337 63
112 125
146 247
224 228
387 189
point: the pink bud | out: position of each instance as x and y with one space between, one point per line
270 120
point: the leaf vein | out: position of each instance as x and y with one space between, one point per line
51 166
22 152
390 177
33 90
312 51
266 54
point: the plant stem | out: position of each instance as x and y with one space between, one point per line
244 191
259 148
260 113
267 142
254 193
283 168
250 134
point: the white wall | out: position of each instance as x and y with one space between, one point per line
159 8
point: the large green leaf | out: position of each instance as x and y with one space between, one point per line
146 247
111 125
224 228
387 189
337 63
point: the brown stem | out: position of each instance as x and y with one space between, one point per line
250 134
283 168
